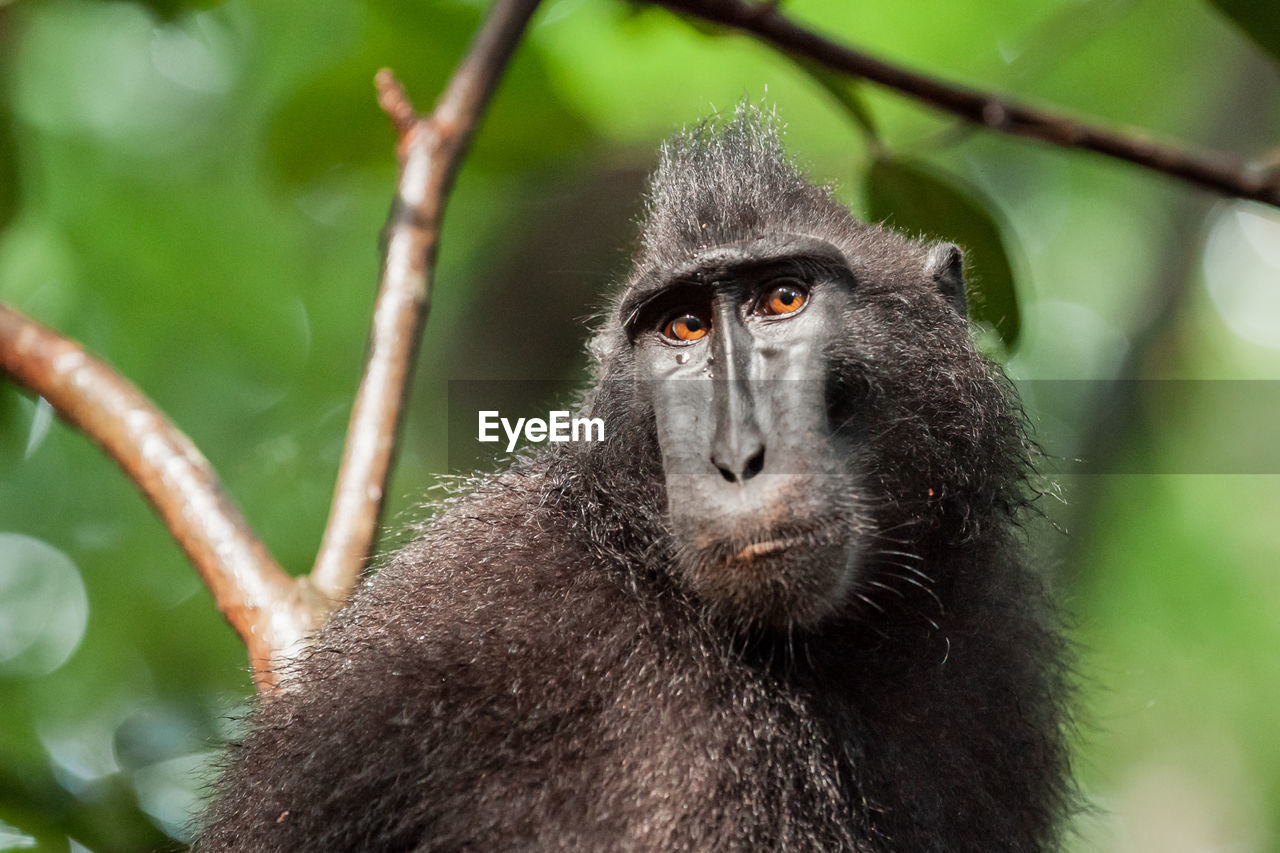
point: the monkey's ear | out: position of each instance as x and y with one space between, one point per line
946 267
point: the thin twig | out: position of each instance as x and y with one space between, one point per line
430 152
271 611
1211 170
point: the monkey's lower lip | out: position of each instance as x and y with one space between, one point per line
769 546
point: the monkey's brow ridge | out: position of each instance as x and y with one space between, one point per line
708 265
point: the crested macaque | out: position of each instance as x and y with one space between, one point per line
782 606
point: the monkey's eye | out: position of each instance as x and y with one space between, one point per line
782 299
685 327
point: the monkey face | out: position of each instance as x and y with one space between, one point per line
808 381
763 489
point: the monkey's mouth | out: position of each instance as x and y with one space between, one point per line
783 542
796 575
767 547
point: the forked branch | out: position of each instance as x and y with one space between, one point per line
430 151
1211 170
272 612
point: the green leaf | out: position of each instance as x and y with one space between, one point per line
917 199
1260 20
846 93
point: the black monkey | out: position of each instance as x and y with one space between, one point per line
780 610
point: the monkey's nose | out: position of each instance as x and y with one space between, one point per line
739 464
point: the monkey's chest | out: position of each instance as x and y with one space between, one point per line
632 761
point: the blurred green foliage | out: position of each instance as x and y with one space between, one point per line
1258 19
195 190
918 200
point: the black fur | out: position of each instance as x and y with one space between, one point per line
530 675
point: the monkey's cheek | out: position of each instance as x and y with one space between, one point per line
796 588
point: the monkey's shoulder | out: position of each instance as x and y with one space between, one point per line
521 692
498 600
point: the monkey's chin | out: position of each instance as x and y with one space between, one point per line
774 584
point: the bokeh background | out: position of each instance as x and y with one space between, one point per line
195 190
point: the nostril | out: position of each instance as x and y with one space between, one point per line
734 472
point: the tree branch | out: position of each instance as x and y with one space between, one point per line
430 151
1211 170
271 611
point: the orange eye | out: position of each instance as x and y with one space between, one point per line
686 327
783 299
